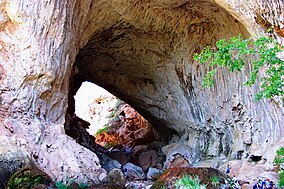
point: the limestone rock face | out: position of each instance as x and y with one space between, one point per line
141 51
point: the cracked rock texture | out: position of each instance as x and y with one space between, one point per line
141 51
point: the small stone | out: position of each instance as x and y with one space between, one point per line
112 164
246 186
159 166
178 161
147 159
121 156
154 173
116 176
139 185
138 149
133 172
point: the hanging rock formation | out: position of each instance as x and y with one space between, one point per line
141 51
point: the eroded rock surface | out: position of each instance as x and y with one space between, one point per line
141 51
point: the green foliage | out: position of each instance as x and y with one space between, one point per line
29 181
27 177
236 52
215 180
189 182
281 179
104 129
279 159
111 144
62 185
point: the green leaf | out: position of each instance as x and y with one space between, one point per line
281 180
236 52
61 185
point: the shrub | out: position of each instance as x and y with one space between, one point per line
102 130
65 185
188 182
215 180
236 52
279 159
61 185
281 179
28 177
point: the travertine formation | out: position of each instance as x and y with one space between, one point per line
141 51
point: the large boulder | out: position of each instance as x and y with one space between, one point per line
12 157
209 177
28 177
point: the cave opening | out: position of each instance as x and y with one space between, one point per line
112 129
148 64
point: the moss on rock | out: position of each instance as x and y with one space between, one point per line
170 177
28 177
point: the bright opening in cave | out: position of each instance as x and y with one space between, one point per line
105 124
90 97
112 121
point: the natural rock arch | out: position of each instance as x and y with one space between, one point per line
130 46
147 60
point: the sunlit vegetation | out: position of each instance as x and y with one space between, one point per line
235 53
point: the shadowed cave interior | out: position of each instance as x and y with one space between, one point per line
147 62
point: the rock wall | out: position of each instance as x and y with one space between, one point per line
153 50
141 51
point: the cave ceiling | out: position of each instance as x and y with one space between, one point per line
145 56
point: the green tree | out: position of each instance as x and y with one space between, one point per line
279 159
262 53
